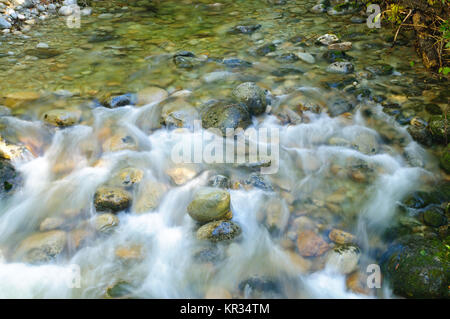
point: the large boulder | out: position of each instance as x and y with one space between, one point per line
252 96
418 267
209 204
41 247
112 199
220 116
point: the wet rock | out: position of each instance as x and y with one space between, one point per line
318 8
10 151
365 142
102 36
252 96
105 223
277 215
119 142
178 113
62 118
380 69
434 216
129 253
66 10
445 159
79 237
287 58
222 230
186 60
128 177
310 244
338 106
266 49
343 259
41 247
222 116
150 95
43 53
111 199
209 204
332 56
217 293
439 128
433 109
327 39
181 175
306 57
288 70
10 179
340 67
51 223
121 289
236 63
149 196
247 29
418 267
258 181
219 181
122 100
420 134
343 46
341 237
210 254
260 287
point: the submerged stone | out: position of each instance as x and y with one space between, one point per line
252 96
41 247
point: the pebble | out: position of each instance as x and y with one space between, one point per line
306 57
65 11
42 45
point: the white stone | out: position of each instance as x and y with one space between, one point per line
86 11
306 57
65 11
42 45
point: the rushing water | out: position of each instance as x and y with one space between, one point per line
131 49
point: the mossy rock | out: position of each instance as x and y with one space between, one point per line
418 267
221 117
439 128
445 159
10 180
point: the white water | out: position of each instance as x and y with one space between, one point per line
167 234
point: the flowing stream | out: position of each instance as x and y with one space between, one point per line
345 172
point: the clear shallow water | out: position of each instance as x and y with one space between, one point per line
316 178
